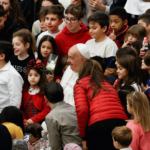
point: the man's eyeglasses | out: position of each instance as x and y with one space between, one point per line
72 20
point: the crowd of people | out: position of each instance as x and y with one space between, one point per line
74 74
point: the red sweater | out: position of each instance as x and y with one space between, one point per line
105 105
39 102
65 39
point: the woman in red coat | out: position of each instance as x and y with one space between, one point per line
98 107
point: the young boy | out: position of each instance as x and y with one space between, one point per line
101 45
122 138
146 66
10 80
53 18
144 20
118 25
42 22
74 32
7 26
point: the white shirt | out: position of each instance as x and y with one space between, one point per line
136 7
128 148
45 33
10 87
104 49
68 81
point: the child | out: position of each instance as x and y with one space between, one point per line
144 20
42 22
74 32
101 45
12 8
7 26
10 80
146 66
135 33
34 106
122 138
24 47
47 46
36 142
138 105
118 25
62 66
129 74
53 18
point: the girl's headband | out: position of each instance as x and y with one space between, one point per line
35 64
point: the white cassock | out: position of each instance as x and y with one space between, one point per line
68 81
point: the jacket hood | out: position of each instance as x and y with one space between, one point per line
84 28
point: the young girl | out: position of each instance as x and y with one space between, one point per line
47 46
62 66
135 33
36 142
13 9
129 74
138 106
24 47
33 106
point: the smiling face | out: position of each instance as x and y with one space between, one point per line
122 72
42 24
95 30
46 49
19 47
117 23
72 23
52 22
6 5
33 78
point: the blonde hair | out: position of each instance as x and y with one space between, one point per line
141 111
136 30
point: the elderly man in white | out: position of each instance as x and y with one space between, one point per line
77 54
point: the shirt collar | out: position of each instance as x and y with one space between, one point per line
57 104
6 67
128 148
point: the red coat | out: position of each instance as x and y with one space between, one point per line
105 105
65 39
39 102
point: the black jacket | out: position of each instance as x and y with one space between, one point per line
7 32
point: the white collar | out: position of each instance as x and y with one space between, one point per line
6 67
128 148
33 91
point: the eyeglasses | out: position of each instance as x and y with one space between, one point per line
71 20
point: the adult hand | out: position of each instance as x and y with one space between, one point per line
142 53
145 88
112 35
79 2
84 145
50 77
125 44
97 4
29 121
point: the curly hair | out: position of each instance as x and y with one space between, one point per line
16 14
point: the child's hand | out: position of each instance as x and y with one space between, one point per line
125 44
145 88
50 77
29 121
97 4
84 145
112 35
79 2
142 53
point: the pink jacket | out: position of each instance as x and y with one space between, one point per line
141 139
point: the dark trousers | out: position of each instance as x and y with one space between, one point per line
99 134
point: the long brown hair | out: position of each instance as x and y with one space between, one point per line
93 68
16 14
131 64
26 37
141 111
41 83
